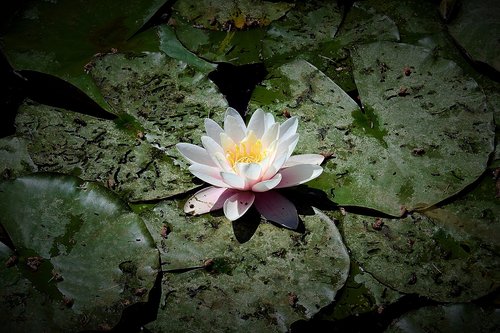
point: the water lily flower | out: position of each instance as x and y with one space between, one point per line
244 164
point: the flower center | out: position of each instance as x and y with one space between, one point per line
246 152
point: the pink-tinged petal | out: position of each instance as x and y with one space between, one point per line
207 199
267 185
315 159
288 128
250 171
270 135
233 180
275 207
208 174
213 129
194 154
299 174
256 123
238 204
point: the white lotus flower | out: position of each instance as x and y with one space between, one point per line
245 164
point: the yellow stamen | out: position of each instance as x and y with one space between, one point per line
248 151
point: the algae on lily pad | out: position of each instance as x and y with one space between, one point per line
264 284
418 255
410 147
14 158
162 102
81 252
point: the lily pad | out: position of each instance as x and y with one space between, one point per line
475 28
136 155
409 148
448 319
417 255
61 37
63 229
14 158
264 284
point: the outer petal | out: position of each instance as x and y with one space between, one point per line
270 135
299 174
194 154
208 174
267 185
304 159
238 204
275 207
207 199
257 123
250 171
213 129
233 180
288 128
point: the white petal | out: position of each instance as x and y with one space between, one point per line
234 128
304 159
251 171
299 174
267 185
207 199
215 152
222 162
270 135
213 129
268 121
288 128
289 144
256 123
275 207
276 165
194 154
238 204
208 174
233 180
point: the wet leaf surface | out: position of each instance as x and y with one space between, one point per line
66 275
263 284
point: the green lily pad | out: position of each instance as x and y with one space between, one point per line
476 29
418 255
61 37
448 319
411 147
263 285
165 102
63 229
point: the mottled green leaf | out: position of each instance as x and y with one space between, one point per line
419 255
162 101
14 158
262 285
81 251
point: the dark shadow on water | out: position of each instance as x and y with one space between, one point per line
246 226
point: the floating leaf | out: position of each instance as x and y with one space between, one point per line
165 102
476 30
448 319
61 37
64 229
410 147
264 284
417 255
14 158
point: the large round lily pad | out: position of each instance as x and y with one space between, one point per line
81 253
417 255
411 145
163 102
263 285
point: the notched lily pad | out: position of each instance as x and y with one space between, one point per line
264 284
63 229
417 255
